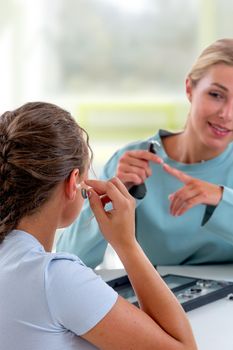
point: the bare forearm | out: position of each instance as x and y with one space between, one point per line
165 320
154 296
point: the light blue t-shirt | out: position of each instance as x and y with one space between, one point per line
47 300
202 235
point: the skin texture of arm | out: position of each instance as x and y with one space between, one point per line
161 322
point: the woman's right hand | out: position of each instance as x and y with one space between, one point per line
162 323
118 223
134 168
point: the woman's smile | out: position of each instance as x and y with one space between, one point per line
218 130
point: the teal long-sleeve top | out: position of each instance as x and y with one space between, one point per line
204 234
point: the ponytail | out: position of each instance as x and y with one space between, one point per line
40 144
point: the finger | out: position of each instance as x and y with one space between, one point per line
130 179
181 196
104 199
131 160
177 173
134 178
175 205
131 169
102 187
190 203
118 198
135 166
143 155
98 185
121 187
97 206
110 189
180 210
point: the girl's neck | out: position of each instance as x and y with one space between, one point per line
42 231
43 223
185 148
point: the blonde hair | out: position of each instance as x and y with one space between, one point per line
221 51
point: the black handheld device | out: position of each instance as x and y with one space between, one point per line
139 191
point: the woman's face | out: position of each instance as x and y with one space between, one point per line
211 114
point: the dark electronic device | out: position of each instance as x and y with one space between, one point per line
191 292
139 191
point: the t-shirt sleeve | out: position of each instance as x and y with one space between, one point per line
77 298
219 221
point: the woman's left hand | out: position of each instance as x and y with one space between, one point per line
193 192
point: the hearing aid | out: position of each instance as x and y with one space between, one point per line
139 191
84 193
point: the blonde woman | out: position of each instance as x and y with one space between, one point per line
185 217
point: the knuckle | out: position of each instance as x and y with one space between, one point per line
123 159
114 180
192 183
205 194
179 196
136 179
117 180
190 202
109 184
142 173
175 196
126 155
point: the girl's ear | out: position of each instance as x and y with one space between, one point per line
188 86
71 184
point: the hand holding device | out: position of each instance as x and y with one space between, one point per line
139 191
117 223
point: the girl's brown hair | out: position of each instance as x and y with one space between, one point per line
221 51
40 144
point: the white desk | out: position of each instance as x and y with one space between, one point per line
212 324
